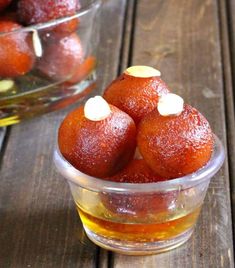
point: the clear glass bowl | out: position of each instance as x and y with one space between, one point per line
53 64
139 219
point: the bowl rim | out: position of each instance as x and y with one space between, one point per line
95 4
78 178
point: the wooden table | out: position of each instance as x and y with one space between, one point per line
193 43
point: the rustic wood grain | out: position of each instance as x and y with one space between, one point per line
128 35
2 136
227 26
182 39
105 258
231 23
38 223
110 46
39 226
230 12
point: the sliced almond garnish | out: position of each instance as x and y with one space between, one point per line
170 104
96 109
37 44
142 71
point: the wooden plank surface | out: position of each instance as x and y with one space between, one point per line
39 226
38 223
231 26
182 39
227 29
2 136
230 11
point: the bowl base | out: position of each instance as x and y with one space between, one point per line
138 248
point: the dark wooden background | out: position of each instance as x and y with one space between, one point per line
193 44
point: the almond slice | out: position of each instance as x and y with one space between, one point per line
37 45
96 109
170 104
142 71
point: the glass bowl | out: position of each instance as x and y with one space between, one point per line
50 65
140 219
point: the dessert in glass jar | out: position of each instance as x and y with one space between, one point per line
47 55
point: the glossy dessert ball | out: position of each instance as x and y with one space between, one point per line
33 12
136 91
4 4
175 139
83 70
16 51
66 28
61 57
137 204
136 171
98 139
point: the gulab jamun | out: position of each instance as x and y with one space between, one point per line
16 51
33 12
98 139
136 91
137 171
61 57
83 70
66 28
132 204
175 139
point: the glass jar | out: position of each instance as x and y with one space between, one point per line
48 66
